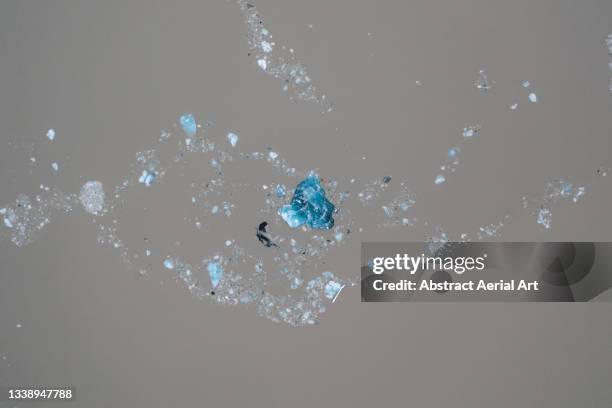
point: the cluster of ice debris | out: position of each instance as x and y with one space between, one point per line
279 61
554 192
279 277
233 275
452 155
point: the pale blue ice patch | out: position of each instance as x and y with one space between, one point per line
147 178
189 125
332 288
169 263
215 272
281 190
51 134
232 138
440 179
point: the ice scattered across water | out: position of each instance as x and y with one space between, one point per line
279 61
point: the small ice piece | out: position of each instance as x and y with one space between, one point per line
470 131
169 263
533 97
2 211
232 138
332 288
281 191
51 134
55 166
526 84
272 155
514 106
262 63
609 44
544 217
440 179
228 243
189 125
147 178
8 223
482 82
215 272
580 191
309 206
266 46
92 197
452 152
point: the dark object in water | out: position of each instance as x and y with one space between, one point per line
262 235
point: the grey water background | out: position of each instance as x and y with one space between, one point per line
108 76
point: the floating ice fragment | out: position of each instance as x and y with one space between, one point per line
332 289
514 106
273 155
471 131
2 211
262 63
309 206
281 190
609 44
452 152
7 222
482 82
440 179
544 217
526 84
266 46
215 272
189 125
147 178
55 166
51 134
580 191
533 97
169 263
92 197
232 138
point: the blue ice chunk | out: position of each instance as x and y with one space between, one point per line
332 288
281 191
215 271
147 178
169 263
440 179
309 206
232 138
189 125
51 134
